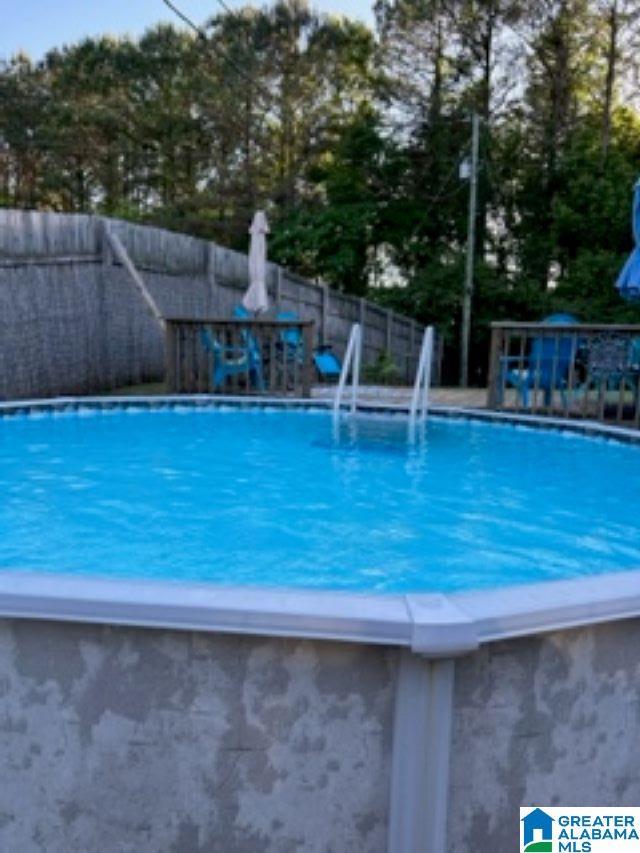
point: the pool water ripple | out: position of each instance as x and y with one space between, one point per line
273 499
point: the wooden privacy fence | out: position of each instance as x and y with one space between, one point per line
572 370
238 356
74 319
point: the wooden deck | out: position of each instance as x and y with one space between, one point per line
239 356
567 369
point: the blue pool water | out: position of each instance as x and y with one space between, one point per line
272 498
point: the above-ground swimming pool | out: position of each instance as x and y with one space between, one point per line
273 497
352 644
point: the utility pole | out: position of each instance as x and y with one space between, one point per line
467 295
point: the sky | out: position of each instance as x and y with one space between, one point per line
34 26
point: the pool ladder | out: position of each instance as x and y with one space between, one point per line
351 364
422 385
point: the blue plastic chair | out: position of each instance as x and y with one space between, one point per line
248 339
234 360
546 367
327 363
241 313
291 339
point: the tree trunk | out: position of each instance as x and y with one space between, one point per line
610 80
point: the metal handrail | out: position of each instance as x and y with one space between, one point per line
422 385
352 361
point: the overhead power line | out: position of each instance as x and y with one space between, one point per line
185 19
204 38
226 7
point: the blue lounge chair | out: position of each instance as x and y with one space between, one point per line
326 362
546 367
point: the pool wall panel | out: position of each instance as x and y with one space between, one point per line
189 742
543 721
121 739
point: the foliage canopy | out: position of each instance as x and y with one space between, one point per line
352 141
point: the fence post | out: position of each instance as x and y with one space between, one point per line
104 368
212 272
389 321
440 339
324 319
103 242
171 374
412 348
494 366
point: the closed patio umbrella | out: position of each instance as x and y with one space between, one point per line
256 298
628 282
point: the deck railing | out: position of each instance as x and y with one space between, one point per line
240 356
572 371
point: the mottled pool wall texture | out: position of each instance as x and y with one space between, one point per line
551 720
137 740
118 739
